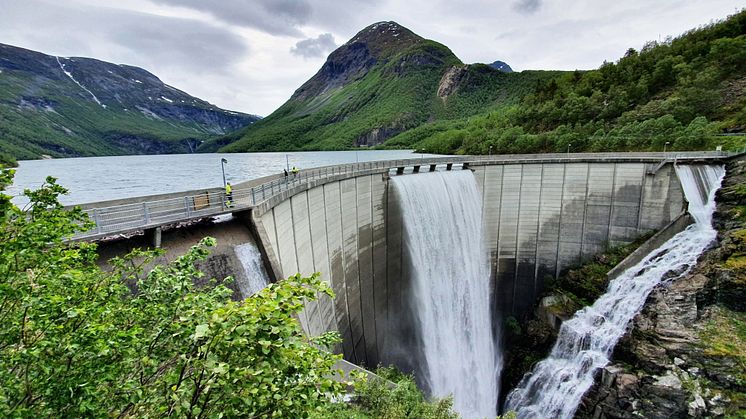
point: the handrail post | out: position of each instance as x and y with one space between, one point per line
96 220
145 212
186 205
253 196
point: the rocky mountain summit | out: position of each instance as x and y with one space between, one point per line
381 83
502 66
76 106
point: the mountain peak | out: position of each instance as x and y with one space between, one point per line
381 44
502 66
384 38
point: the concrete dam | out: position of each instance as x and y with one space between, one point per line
539 215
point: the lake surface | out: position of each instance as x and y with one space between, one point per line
92 179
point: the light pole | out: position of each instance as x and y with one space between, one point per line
287 163
223 162
568 148
490 153
665 146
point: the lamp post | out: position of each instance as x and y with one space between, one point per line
490 152
223 162
568 148
665 146
287 163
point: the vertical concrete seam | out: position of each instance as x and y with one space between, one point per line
499 214
303 312
277 244
642 197
357 262
372 264
344 272
517 240
559 226
585 209
538 224
611 206
313 256
337 316
385 209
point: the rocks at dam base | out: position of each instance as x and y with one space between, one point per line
685 355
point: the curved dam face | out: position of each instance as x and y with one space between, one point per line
539 219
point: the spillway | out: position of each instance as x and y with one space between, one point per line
251 262
450 293
555 387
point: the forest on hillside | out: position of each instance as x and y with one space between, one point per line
683 93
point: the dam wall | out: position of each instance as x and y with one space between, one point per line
540 219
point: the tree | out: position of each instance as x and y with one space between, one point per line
78 341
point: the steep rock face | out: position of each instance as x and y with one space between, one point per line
685 355
451 80
82 106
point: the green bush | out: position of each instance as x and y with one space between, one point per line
76 341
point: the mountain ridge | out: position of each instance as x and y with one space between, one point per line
78 106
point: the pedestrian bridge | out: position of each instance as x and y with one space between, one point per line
542 214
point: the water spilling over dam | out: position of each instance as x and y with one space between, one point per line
251 261
450 296
556 385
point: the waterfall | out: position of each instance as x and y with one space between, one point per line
256 275
555 386
450 295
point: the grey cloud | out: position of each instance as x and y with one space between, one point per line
285 17
277 17
314 47
527 6
145 40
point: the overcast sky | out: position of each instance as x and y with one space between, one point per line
250 55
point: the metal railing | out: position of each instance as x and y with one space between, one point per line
117 217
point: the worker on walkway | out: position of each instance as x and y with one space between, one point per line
228 195
295 172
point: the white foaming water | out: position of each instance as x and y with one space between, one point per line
445 244
554 388
256 275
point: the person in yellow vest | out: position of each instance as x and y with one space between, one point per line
228 195
295 172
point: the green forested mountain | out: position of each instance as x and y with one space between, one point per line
65 107
391 88
384 81
682 91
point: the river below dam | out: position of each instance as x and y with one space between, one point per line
93 179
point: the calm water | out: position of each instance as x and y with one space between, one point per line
92 179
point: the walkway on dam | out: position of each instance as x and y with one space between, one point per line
134 214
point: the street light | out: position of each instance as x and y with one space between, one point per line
490 151
223 162
665 146
568 148
287 163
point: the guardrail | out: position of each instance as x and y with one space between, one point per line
118 217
